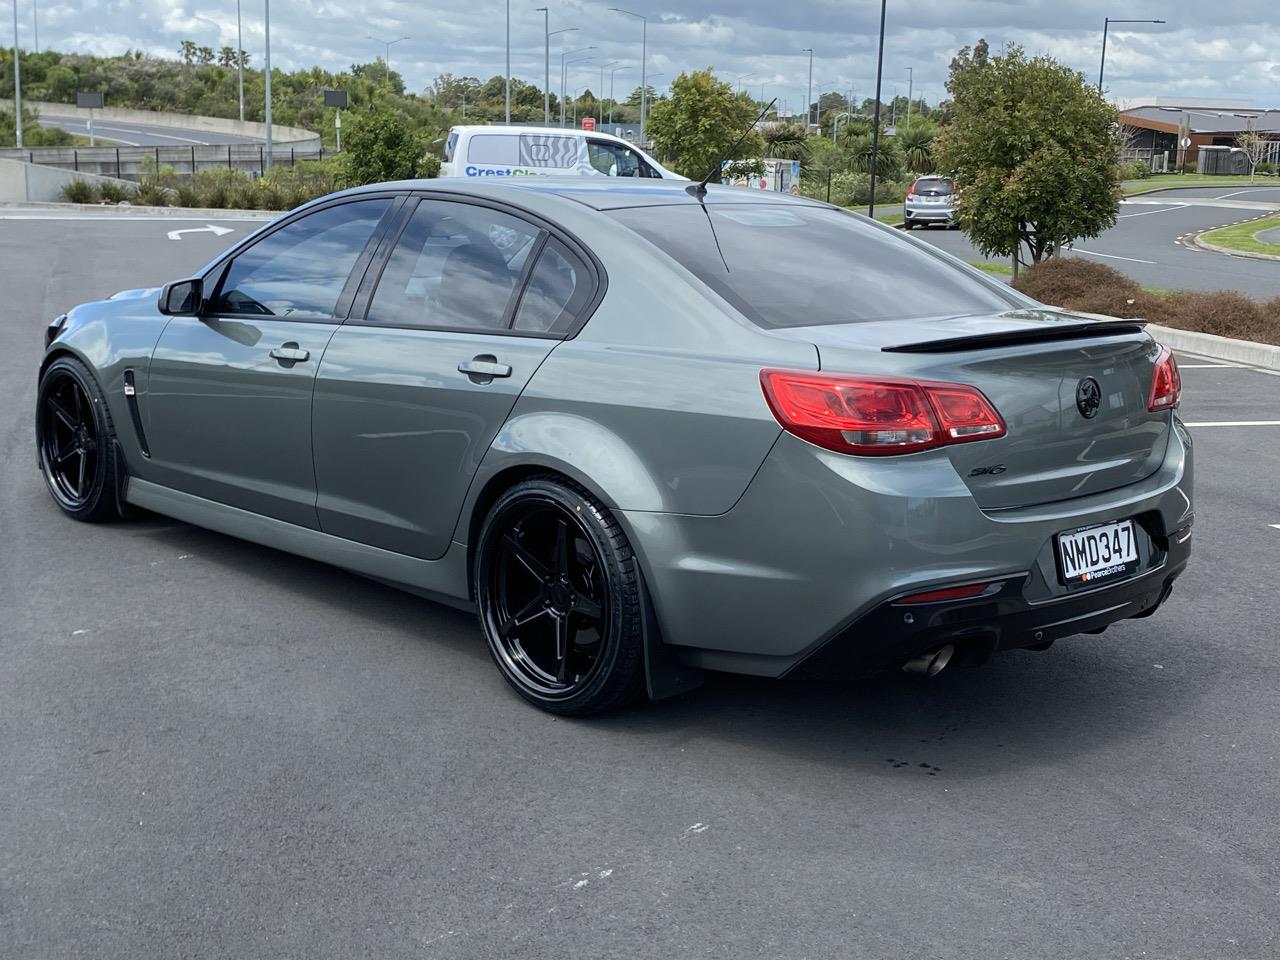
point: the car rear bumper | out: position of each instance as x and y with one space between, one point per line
931 213
821 547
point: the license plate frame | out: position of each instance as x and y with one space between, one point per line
1080 571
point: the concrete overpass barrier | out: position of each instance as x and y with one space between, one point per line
25 182
280 135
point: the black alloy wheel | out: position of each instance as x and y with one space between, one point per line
559 598
75 439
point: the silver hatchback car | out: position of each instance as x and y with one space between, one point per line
930 199
642 429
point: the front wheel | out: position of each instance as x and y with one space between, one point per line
76 441
559 599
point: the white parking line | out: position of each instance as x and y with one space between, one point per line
1147 213
1206 366
1236 423
1109 256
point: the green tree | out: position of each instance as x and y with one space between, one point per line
916 144
188 51
378 147
786 141
226 57
1033 149
62 84
204 55
698 125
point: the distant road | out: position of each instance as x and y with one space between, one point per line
1152 241
141 134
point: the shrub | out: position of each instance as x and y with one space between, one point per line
1089 287
153 193
1265 167
80 191
854 190
188 195
112 192
1135 170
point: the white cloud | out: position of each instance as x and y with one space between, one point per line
1224 49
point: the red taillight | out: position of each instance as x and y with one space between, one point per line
947 593
911 190
878 416
1166 383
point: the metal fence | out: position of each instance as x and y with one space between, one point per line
132 163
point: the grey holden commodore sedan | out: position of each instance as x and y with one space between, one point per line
643 430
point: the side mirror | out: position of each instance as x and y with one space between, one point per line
182 298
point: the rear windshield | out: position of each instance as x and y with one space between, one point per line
934 188
797 266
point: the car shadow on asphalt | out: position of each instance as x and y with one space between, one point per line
1085 694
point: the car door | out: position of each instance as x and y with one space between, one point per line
229 399
449 326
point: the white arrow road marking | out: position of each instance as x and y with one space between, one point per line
207 228
1276 525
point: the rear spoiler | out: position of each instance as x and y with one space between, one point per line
1083 330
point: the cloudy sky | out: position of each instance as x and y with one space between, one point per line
1228 48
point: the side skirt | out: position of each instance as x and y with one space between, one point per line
443 580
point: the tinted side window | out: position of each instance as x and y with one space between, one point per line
558 291
456 265
300 269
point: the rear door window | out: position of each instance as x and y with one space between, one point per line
557 293
455 266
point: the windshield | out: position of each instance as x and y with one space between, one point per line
934 188
796 266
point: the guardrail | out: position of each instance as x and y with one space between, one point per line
132 163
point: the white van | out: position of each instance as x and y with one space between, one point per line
502 151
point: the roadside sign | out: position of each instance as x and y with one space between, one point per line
1186 142
336 98
88 100
588 123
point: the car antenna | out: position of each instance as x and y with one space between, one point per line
699 190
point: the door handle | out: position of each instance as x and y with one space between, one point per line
290 353
483 368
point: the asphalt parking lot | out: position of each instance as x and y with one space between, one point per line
211 749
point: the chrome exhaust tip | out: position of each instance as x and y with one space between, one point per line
932 663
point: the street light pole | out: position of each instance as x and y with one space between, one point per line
266 31
546 64
612 100
35 25
600 92
808 98
387 59
911 80
17 82
738 82
240 58
563 74
506 79
1106 23
644 61
875 123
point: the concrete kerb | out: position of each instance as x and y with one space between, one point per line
1244 352
106 209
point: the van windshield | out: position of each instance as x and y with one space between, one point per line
798 266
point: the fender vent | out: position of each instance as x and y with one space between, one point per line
131 398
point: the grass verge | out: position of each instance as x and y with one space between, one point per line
1244 236
989 266
1163 181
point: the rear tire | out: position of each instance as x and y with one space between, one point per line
76 441
559 599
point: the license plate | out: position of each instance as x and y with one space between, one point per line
1104 552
